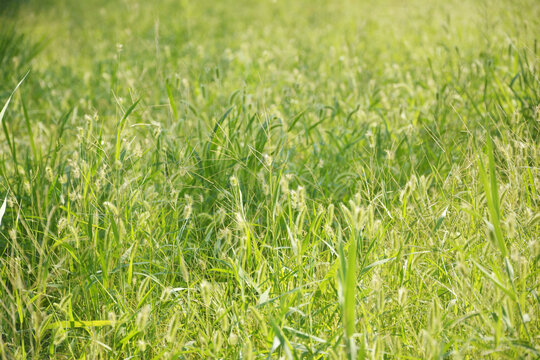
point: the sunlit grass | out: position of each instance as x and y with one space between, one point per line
239 179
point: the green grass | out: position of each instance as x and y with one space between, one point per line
269 179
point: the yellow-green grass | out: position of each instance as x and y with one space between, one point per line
264 179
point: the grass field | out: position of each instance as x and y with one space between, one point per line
269 179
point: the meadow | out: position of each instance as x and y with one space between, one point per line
242 179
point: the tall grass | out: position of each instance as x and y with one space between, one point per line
270 180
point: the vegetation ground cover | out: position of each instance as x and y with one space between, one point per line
253 179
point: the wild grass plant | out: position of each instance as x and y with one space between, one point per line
269 179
